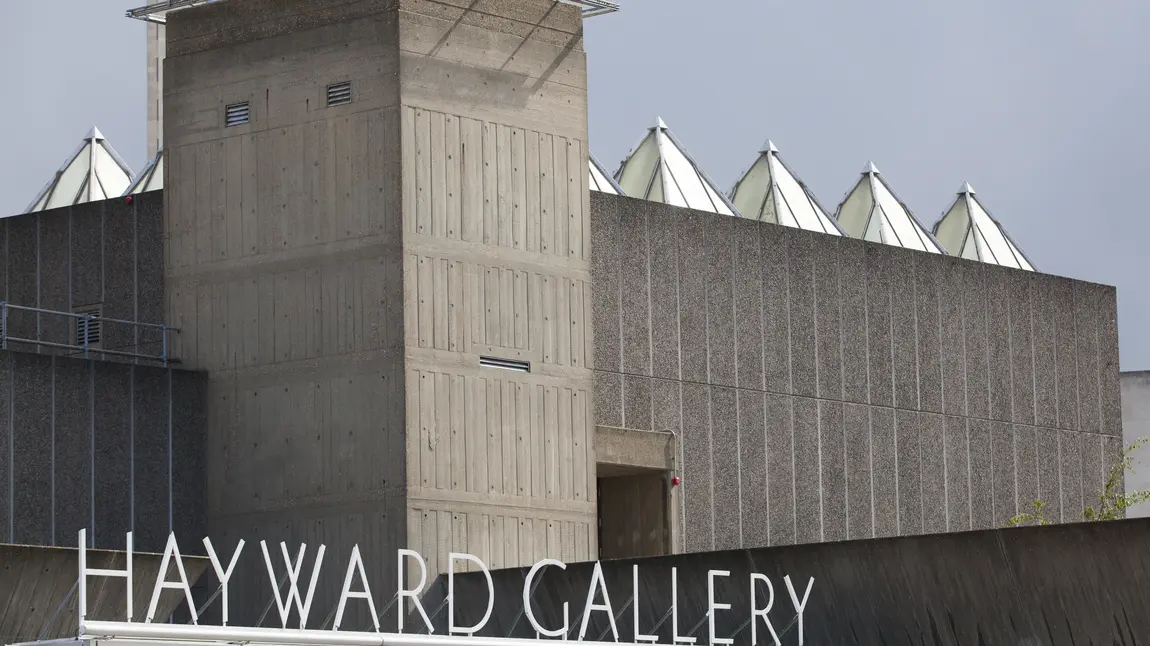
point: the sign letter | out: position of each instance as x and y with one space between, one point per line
356 563
597 582
293 572
762 612
562 632
639 637
452 629
402 590
161 581
221 574
675 638
712 606
799 606
85 572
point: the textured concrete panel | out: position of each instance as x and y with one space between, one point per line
87 233
150 300
981 474
1021 347
958 513
998 339
903 335
665 401
53 256
22 279
1045 357
698 475
853 278
1093 472
605 261
112 460
800 268
720 301
808 519
1004 485
753 469
608 399
780 469
73 448
1049 472
928 327
1066 352
879 324
1070 470
189 430
1110 390
150 477
748 304
1086 336
828 323
6 393
119 273
952 337
635 296
32 449
727 468
832 471
693 297
934 502
860 512
636 402
975 332
1026 464
776 312
664 296
889 443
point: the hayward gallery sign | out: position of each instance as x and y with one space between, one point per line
457 635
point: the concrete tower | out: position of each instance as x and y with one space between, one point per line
379 250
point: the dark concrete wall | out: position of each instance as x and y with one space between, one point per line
110 447
104 252
828 388
1056 585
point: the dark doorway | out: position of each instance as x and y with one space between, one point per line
633 519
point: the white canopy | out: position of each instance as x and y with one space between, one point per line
770 192
968 230
149 179
872 211
660 169
600 180
93 172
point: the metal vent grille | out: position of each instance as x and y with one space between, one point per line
339 94
505 364
237 114
88 330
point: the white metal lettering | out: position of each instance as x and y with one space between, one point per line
597 584
403 592
452 629
762 612
799 607
223 575
639 636
355 565
675 637
162 583
302 606
85 572
527 610
712 606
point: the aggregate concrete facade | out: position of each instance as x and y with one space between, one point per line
827 388
156 37
110 447
1135 426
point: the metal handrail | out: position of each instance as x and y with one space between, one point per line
6 338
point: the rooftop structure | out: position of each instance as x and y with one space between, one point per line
601 180
770 192
872 211
149 179
93 172
968 230
660 169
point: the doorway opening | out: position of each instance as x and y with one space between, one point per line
633 512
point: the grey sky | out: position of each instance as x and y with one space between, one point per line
1040 106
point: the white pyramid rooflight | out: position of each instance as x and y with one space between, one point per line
872 211
660 169
968 230
93 172
600 180
149 179
771 192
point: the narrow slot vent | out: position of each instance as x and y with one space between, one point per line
505 364
339 94
237 114
88 330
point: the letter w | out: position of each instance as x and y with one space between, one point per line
293 572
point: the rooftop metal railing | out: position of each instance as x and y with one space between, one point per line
90 334
157 12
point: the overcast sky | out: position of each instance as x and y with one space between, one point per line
1041 106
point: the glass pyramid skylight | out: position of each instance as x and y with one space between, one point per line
93 172
659 169
967 230
600 180
770 192
149 179
872 211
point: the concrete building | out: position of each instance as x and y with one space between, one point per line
419 326
1136 426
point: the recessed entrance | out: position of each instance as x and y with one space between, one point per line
633 519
